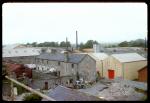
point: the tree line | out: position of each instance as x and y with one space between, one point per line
50 44
89 44
134 43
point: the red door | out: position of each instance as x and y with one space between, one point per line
111 74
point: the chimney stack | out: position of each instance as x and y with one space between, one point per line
66 56
76 40
66 43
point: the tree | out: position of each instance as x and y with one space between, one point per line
34 44
32 97
123 44
81 46
89 43
63 44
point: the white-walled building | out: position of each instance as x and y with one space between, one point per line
101 61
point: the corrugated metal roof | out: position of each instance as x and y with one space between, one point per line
98 56
20 52
128 57
61 93
73 58
12 46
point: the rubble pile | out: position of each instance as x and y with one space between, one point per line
120 91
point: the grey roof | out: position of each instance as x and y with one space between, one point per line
61 93
73 58
98 56
21 52
128 57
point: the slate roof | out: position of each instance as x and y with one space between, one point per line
73 58
128 57
61 93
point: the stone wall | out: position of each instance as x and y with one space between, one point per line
40 78
64 68
87 69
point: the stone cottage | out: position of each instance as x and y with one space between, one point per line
76 66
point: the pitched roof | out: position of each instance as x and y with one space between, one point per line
12 46
73 58
128 57
61 93
98 56
145 67
20 52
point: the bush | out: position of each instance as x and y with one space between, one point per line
32 97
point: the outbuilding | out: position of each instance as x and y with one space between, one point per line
142 74
125 66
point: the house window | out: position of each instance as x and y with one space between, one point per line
58 63
72 65
25 51
16 51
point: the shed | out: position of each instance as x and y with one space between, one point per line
142 74
124 65
61 93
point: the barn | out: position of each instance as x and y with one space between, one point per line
124 65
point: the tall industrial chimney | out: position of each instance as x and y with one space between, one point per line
76 40
66 43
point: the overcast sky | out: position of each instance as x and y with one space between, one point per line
104 22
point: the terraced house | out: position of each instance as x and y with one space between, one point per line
77 66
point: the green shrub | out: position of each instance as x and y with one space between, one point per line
32 97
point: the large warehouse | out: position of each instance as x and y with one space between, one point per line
124 65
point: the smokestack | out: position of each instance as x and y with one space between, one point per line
76 40
66 43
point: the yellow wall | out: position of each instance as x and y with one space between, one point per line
102 65
131 69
